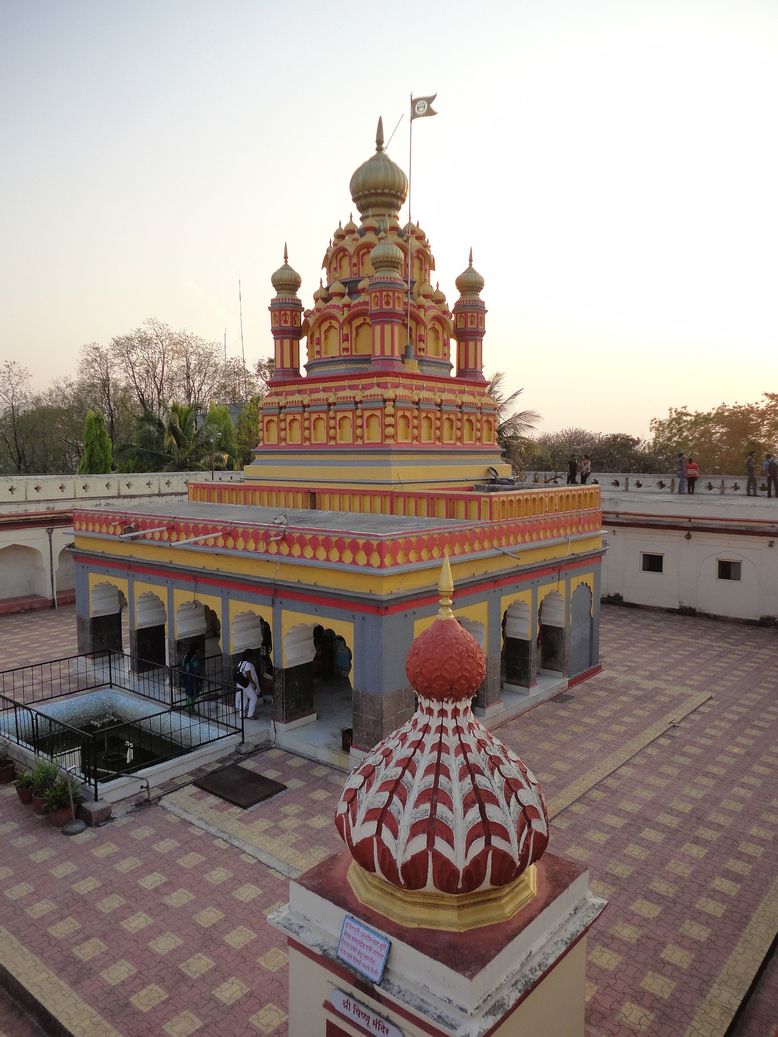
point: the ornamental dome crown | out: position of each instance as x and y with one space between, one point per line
470 281
387 257
441 807
285 280
379 186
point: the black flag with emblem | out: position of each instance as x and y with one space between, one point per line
421 107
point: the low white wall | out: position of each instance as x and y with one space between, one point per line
631 482
59 492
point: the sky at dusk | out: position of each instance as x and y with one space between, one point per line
613 164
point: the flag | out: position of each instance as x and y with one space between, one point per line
421 107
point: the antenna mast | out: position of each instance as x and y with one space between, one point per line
242 350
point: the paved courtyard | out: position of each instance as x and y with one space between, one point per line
661 775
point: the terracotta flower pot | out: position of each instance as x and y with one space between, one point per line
7 772
60 816
24 792
39 804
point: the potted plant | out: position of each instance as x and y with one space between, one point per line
62 799
7 764
23 784
44 774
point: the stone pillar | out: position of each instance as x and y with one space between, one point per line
293 695
525 975
377 714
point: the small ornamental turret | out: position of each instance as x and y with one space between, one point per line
387 295
470 324
286 322
443 821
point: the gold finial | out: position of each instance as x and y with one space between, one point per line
445 589
286 254
471 255
379 135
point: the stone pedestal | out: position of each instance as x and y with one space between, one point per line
524 976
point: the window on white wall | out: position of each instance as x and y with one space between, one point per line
728 570
652 563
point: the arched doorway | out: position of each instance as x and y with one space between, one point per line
315 681
478 633
65 582
251 632
106 631
519 660
552 632
148 641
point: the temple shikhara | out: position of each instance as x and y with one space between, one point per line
377 456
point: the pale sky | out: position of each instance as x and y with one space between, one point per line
613 164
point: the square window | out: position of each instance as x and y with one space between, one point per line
729 570
651 563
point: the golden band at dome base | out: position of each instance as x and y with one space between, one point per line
457 913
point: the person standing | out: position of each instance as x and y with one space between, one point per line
772 476
246 695
751 475
572 470
681 473
692 473
586 468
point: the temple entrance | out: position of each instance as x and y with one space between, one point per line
106 629
519 655
478 634
552 632
148 641
315 684
251 632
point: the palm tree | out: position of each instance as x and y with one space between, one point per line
513 426
171 442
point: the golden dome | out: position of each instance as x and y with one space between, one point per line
339 234
386 256
351 227
469 281
285 280
437 295
379 187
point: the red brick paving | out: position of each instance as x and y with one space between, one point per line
160 926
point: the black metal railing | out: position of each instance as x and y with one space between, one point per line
195 713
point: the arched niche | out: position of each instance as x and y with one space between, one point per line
427 429
23 573
372 429
330 340
294 430
363 339
345 428
319 429
66 571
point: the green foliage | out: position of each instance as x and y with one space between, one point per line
221 433
247 432
513 426
172 442
24 780
609 452
98 454
59 794
720 439
45 773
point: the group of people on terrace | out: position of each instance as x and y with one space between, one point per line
574 469
689 473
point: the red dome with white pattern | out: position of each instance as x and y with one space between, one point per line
441 804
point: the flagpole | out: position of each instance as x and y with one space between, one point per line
410 224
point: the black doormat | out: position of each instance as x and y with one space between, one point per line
239 786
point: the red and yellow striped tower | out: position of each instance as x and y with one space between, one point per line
286 322
470 324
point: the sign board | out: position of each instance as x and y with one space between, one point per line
365 1017
363 948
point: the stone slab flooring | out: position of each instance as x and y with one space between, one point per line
661 775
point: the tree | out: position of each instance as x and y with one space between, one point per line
719 439
97 456
171 442
14 401
513 426
102 390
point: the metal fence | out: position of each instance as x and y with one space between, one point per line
194 713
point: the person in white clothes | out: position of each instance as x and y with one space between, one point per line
246 697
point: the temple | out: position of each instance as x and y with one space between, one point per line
375 459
